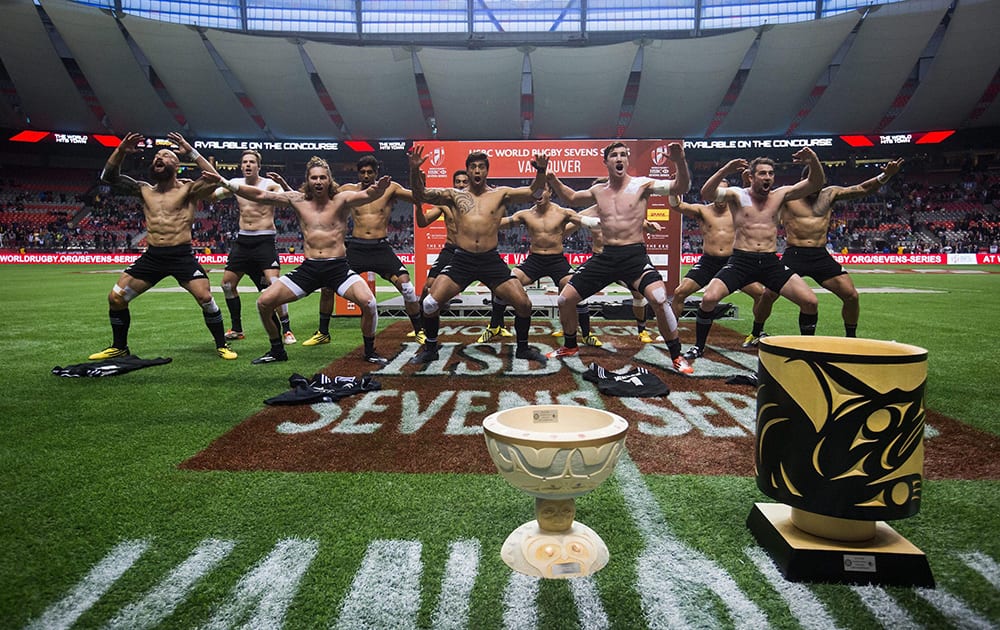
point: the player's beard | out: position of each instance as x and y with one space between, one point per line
162 175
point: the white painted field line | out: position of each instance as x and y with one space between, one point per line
983 565
590 610
673 577
520 607
801 601
452 611
955 610
105 573
161 601
385 592
885 608
261 598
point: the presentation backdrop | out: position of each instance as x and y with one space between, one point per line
569 160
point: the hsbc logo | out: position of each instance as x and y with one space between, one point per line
437 156
659 155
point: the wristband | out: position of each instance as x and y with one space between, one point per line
230 186
590 221
882 178
194 155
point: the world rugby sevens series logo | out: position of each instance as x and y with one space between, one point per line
437 156
659 155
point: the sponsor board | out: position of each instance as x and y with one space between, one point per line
408 258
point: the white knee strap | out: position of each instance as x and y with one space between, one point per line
372 307
430 305
409 293
639 302
228 290
127 293
210 306
660 295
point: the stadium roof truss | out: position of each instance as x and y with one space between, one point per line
500 69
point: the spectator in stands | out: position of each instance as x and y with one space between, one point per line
169 205
254 251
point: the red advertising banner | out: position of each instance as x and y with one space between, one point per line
568 159
9 257
896 259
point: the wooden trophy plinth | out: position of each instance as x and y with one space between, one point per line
886 559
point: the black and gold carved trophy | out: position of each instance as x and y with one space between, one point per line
840 425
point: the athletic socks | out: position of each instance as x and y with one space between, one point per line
284 323
702 326
569 340
416 322
431 325
235 308
324 323
583 316
851 330
496 313
807 323
521 327
369 344
215 326
758 327
674 346
120 322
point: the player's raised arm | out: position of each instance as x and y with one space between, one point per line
192 154
578 218
111 174
373 192
422 217
816 179
278 179
682 182
868 186
687 209
252 193
421 194
529 193
399 192
710 189
572 197
202 187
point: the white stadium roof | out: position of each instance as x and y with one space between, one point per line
520 69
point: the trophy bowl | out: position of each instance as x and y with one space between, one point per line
555 453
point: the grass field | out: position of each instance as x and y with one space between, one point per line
101 529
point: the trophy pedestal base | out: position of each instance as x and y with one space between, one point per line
887 559
576 552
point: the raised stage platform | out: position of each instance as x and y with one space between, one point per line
610 304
